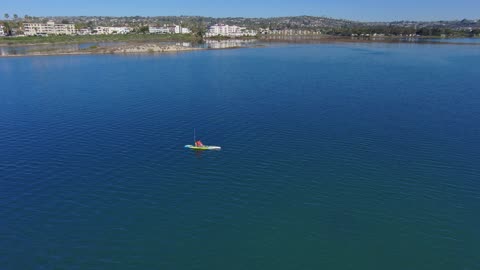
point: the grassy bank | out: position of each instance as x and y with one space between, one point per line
99 38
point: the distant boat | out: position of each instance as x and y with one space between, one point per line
198 145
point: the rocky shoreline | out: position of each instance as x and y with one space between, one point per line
159 48
150 48
144 48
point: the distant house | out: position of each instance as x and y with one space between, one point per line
2 31
229 31
49 28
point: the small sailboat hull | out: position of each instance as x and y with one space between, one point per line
201 148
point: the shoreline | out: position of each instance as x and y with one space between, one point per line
324 40
146 48
149 47
75 39
12 42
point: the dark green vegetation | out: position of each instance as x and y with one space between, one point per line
101 38
392 30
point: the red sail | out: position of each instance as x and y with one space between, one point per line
199 144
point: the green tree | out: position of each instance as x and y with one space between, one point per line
8 28
6 16
199 29
15 16
81 25
200 32
143 29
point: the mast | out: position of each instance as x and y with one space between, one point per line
194 139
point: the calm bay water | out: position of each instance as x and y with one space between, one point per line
335 156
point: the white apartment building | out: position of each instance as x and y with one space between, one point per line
84 31
2 31
158 30
106 30
100 30
181 30
168 29
49 28
229 31
120 30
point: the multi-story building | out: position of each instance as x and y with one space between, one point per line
2 31
289 32
181 30
84 31
168 29
105 30
100 30
49 28
229 31
119 30
158 30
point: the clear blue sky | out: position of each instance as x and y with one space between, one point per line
363 10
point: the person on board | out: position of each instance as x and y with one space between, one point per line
199 144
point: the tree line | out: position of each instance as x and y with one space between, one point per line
399 31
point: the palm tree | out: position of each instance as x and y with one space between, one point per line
6 16
15 16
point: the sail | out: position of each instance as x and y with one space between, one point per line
199 144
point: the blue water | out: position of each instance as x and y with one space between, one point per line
455 40
335 156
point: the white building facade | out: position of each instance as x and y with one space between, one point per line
84 31
229 31
168 29
2 31
158 30
181 30
100 30
49 28
289 32
106 30
120 30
